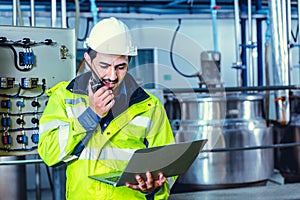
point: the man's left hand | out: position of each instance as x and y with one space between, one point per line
148 185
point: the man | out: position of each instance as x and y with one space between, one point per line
95 122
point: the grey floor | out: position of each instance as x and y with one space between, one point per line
275 189
274 192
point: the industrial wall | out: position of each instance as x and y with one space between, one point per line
194 36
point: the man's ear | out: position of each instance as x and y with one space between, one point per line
87 57
87 60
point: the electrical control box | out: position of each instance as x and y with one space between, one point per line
33 59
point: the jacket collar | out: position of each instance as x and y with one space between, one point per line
129 87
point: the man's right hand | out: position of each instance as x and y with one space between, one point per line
101 101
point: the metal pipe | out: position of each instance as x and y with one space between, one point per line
53 13
237 37
38 181
175 3
40 12
244 53
260 77
280 57
32 12
63 14
21 162
289 22
284 21
19 14
15 12
94 11
273 146
250 43
233 89
288 37
214 24
298 6
77 20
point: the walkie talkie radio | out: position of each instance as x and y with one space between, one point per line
96 83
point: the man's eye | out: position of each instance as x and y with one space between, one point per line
104 66
121 67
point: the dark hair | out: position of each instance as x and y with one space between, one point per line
92 53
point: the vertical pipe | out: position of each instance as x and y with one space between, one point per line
53 13
289 21
32 14
260 79
63 14
244 53
237 37
15 12
249 6
77 20
249 43
94 11
19 13
280 57
214 24
284 21
288 36
299 33
38 181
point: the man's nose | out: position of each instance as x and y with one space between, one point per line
111 73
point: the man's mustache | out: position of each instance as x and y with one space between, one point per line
107 80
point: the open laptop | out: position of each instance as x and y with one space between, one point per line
171 160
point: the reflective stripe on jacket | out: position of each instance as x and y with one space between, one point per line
62 127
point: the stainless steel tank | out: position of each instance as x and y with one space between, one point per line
287 160
234 120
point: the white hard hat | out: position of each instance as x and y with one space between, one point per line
111 36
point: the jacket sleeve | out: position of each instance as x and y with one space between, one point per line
61 128
160 133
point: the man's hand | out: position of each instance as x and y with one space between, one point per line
148 185
101 101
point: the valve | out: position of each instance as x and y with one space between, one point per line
48 41
22 139
35 138
35 120
35 104
20 104
26 40
5 122
6 139
3 39
5 103
20 121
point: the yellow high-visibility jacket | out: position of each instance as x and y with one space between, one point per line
70 132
